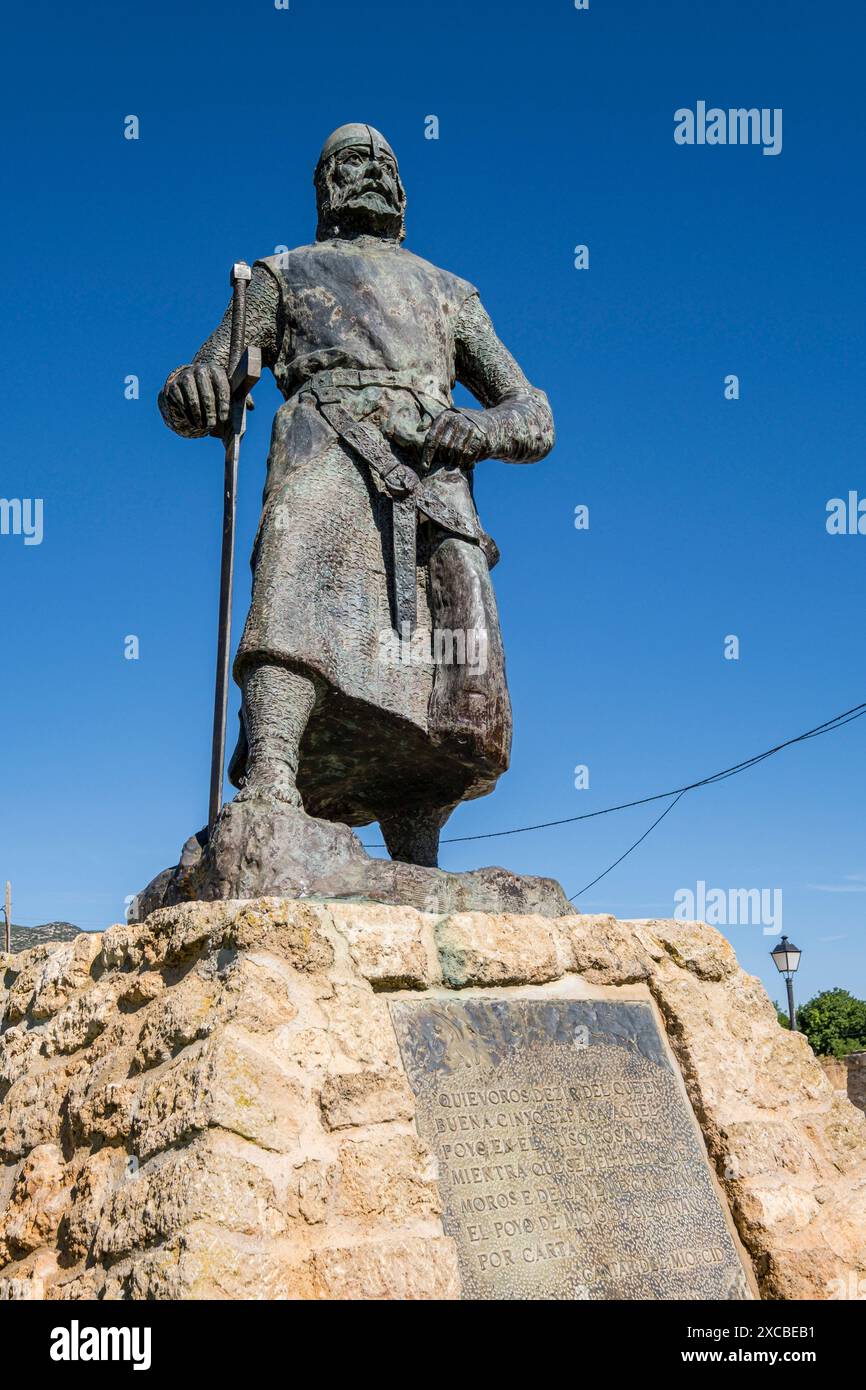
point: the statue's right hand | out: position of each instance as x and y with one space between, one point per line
200 396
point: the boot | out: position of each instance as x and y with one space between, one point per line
277 704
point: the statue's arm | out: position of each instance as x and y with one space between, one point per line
194 399
517 418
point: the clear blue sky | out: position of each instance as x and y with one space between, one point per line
707 515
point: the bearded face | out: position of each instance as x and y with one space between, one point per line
358 193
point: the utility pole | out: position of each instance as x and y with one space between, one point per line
8 914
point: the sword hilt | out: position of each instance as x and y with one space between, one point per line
247 371
240 277
245 362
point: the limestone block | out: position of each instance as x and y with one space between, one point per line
31 1112
178 1017
365 1098
51 974
234 1085
79 1022
38 1201
207 1180
478 948
392 1178
393 950
412 1268
603 950
98 1177
359 1027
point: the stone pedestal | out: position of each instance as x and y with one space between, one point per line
848 1076
251 1099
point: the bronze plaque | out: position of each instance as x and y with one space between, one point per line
570 1165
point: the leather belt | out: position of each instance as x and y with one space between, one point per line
359 377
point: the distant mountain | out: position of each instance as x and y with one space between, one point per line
22 938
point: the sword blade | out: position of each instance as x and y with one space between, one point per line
405 561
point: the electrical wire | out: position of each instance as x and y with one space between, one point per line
829 726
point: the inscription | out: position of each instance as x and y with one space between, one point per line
569 1163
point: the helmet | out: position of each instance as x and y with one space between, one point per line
354 134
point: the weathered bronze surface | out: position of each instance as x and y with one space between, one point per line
570 1164
369 539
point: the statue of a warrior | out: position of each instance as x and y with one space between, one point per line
371 664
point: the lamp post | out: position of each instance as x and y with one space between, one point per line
786 957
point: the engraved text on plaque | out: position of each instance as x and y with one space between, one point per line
570 1166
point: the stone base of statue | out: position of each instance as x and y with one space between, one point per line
281 1099
265 848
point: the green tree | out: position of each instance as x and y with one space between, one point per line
781 1015
834 1022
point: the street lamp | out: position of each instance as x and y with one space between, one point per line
786 957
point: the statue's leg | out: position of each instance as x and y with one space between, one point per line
412 836
277 704
469 703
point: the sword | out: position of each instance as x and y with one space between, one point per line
245 368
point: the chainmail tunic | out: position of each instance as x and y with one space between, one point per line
395 333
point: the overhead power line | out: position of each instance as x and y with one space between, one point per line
831 724
828 727
628 851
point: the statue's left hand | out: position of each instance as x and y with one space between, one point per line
453 441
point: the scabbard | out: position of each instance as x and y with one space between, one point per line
405 564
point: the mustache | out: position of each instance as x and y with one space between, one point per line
384 190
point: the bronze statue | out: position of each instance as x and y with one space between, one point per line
371 665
